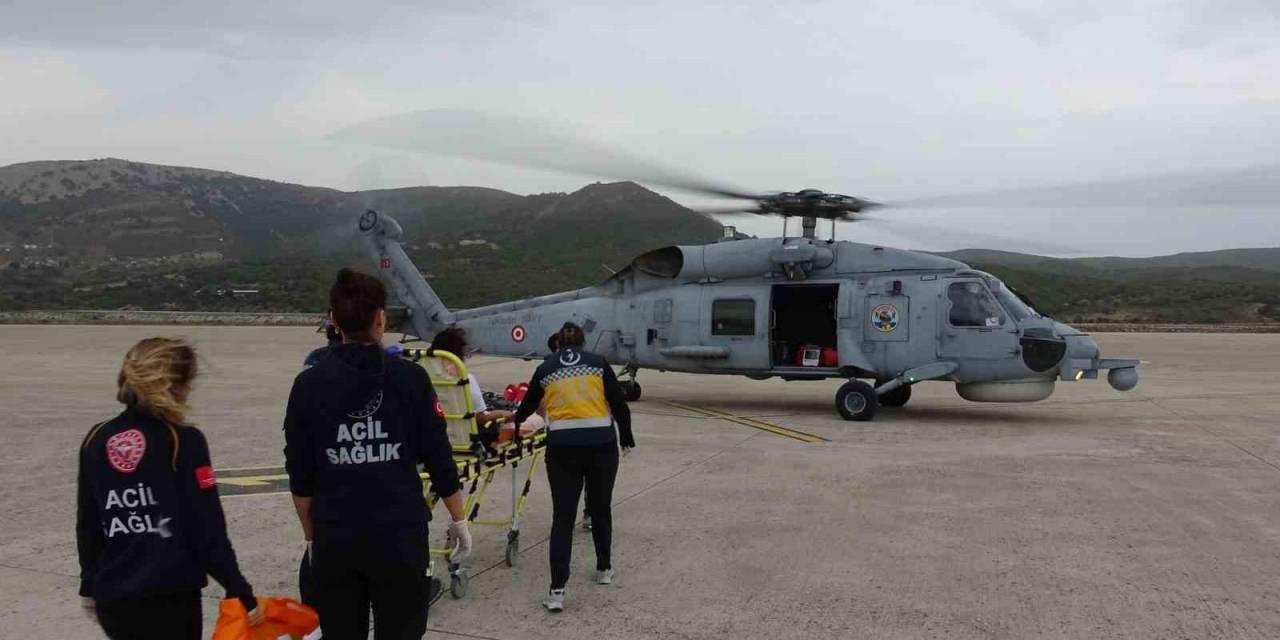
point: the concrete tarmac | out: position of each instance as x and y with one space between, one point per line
1094 514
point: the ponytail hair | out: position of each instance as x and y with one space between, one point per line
152 370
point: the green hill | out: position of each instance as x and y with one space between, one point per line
1230 286
111 233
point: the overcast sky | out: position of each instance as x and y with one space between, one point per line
880 99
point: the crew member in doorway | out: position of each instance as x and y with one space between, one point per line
149 524
583 401
357 426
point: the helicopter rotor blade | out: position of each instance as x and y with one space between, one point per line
521 142
950 236
730 211
1249 186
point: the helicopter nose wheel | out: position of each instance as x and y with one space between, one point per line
856 400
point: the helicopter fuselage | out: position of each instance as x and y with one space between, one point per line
794 308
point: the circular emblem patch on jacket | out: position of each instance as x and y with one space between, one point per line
885 318
125 449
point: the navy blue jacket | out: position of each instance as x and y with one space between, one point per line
358 424
148 518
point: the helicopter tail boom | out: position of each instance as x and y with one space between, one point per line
427 313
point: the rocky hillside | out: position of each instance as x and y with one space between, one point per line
108 233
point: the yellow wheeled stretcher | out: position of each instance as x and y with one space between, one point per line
480 455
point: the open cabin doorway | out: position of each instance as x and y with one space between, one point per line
802 332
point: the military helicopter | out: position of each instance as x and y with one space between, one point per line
792 307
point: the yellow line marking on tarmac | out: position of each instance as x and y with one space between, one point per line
253 481
751 422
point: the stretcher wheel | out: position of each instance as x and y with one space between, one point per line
459 582
513 552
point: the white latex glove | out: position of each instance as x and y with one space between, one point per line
90 608
626 451
458 541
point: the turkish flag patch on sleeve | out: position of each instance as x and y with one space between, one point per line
206 478
439 407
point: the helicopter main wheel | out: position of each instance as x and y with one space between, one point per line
630 390
896 398
856 400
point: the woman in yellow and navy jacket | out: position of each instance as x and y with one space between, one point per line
583 402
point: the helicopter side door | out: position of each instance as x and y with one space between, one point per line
973 324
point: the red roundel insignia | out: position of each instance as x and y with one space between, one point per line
385 263
125 449
206 478
517 333
439 407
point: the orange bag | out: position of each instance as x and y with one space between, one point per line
282 618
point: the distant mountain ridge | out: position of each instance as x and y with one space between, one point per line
109 231
1226 286
112 233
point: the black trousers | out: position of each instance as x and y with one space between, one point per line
306 590
171 616
568 470
385 569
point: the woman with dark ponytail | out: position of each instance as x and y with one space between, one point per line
149 524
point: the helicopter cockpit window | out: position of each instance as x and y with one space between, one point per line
973 306
1016 307
1016 304
733 318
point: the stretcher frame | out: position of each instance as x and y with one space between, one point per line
478 464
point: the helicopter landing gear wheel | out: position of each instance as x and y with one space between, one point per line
630 390
896 398
856 400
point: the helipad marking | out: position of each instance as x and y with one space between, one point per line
752 422
253 481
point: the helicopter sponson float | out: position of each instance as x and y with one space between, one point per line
796 308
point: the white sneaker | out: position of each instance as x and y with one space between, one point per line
604 577
555 600
586 523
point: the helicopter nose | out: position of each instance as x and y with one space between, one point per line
1082 354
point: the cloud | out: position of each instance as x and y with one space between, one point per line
235 28
877 98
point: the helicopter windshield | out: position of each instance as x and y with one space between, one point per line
1012 302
